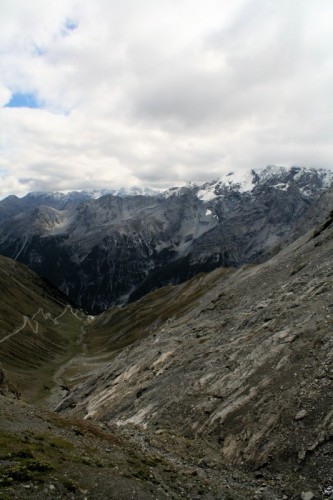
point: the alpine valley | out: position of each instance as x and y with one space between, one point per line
206 371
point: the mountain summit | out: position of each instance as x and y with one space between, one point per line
308 180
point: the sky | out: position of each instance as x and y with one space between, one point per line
109 93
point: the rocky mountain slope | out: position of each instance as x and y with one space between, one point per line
243 376
115 249
13 205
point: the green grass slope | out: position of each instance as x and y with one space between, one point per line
38 330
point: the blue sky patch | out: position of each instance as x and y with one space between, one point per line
70 25
21 100
39 50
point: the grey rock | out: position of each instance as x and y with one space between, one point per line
328 491
307 495
301 414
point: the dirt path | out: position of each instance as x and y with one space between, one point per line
26 321
33 323
76 369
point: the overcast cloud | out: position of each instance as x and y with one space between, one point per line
161 92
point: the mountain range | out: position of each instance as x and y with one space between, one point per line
103 249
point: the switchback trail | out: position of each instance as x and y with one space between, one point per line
33 323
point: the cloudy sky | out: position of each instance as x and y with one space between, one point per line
110 93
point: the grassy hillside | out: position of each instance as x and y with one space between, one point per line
38 331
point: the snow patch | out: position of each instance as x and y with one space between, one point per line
207 194
176 191
136 191
282 186
328 179
273 175
241 181
235 181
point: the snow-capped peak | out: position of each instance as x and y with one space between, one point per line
135 191
277 177
235 181
177 190
85 194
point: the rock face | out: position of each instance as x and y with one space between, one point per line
246 371
115 249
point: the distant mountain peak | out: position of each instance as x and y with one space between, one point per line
92 193
275 176
135 191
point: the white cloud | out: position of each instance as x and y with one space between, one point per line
163 91
5 95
